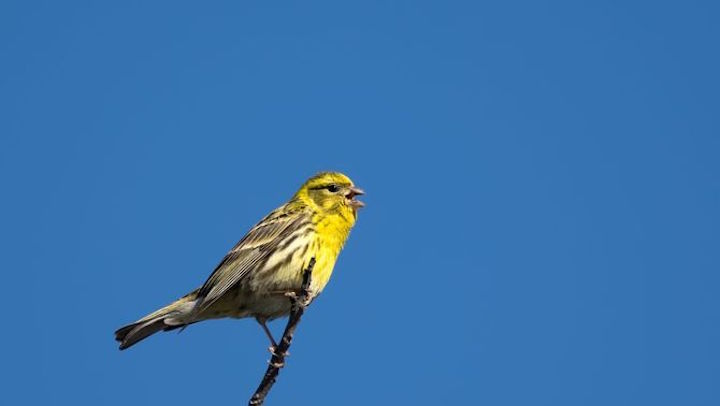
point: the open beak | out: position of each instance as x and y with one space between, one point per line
352 193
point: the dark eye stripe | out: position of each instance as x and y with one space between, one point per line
331 187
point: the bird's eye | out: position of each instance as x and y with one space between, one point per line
332 188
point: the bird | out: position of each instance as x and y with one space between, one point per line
255 276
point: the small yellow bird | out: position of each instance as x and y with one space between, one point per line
252 279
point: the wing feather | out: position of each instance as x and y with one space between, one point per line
250 253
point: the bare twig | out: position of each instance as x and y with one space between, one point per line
298 305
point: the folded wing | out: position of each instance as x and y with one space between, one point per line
252 252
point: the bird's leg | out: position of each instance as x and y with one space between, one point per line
273 344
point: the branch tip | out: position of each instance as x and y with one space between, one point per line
298 304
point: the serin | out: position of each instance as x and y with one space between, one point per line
253 278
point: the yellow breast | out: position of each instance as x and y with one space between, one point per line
330 236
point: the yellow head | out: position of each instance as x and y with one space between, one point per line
331 193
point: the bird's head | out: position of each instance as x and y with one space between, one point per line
331 193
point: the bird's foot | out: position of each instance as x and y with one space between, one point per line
295 296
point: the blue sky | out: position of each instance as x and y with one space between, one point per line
542 221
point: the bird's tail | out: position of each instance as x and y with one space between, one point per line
169 317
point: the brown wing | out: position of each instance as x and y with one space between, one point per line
250 253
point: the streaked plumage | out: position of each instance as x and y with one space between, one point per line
252 279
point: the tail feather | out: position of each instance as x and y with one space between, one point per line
136 332
168 318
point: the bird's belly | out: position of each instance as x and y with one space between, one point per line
268 307
263 294
284 273
240 303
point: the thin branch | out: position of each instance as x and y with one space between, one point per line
298 305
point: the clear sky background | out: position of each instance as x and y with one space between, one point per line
542 223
